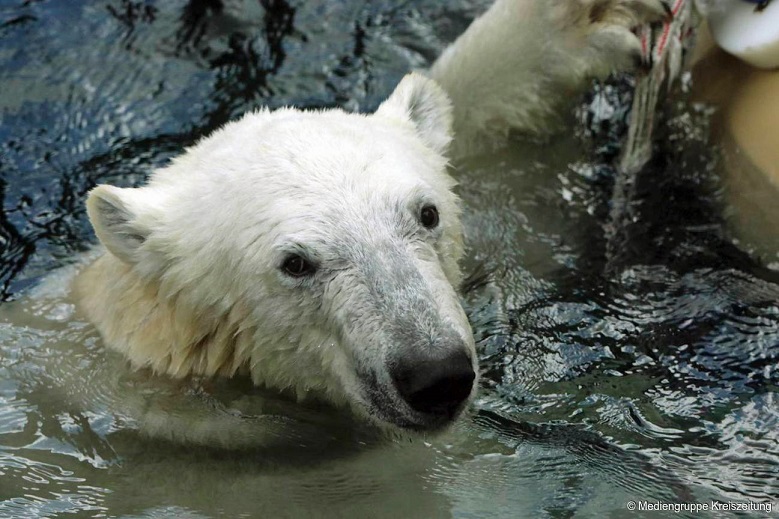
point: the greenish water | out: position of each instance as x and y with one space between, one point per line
622 359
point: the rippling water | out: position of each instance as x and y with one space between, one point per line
629 348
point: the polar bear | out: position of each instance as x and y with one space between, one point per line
317 252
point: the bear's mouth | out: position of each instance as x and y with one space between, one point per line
386 405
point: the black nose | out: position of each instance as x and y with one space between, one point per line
436 386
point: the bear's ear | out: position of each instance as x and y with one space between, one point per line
424 104
122 220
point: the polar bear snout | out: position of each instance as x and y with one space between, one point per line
436 386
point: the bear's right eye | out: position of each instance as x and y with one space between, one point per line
429 216
297 266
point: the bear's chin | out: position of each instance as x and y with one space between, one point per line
413 422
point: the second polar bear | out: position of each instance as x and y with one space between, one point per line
317 252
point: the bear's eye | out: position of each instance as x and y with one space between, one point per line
429 216
297 266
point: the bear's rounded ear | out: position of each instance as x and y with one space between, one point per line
122 219
420 101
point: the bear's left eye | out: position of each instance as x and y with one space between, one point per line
429 216
297 266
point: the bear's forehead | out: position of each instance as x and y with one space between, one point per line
346 143
323 175
310 148
307 158
353 211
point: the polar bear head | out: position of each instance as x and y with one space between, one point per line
317 251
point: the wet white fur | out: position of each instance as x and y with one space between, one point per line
520 61
192 284
202 291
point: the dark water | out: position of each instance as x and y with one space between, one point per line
629 348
